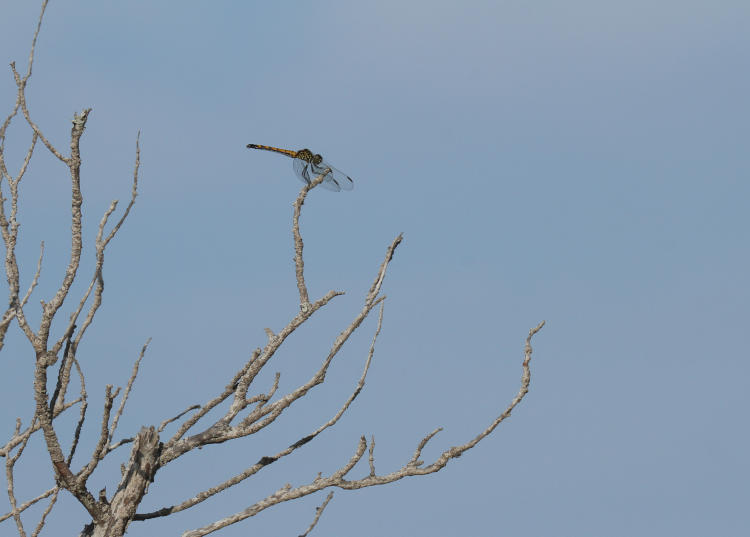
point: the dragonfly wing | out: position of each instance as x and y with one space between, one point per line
314 170
302 170
336 179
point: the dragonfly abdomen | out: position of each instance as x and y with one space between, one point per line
286 152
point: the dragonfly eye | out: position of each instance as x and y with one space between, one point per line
317 159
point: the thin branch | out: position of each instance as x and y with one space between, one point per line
378 283
15 440
265 461
81 416
35 280
119 443
318 512
264 415
371 457
177 446
11 312
125 395
10 463
101 445
46 512
21 508
284 494
413 467
418 452
178 416
263 398
101 246
21 84
76 236
299 263
213 403
10 227
61 467
63 374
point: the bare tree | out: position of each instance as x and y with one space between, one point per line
243 414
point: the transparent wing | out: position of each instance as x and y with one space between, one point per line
335 180
302 170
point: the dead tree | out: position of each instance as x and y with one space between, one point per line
57 362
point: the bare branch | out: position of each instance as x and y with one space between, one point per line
63 374
21 84
5 321
265 461
46 512
418 452
15 440
177 446
228 391
318 512
11 312
377 284
263 415
178 416
371 457
21 508
10 227
82 414
76 246
61 467
125 395
35 280
299 263
263 398
119 443
101 446
284 494
413 467
101 245
10 462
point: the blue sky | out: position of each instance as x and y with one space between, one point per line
580 162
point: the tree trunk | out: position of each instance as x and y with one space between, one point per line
137 476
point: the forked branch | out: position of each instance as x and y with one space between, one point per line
413 467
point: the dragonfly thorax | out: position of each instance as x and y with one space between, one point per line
308 156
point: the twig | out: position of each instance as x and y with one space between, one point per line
34 427
178 416
265 461
299 263
10 462
284 494
125 395
82 414
337 479
46 512
318 512
21 508
101 445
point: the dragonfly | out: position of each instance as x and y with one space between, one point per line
309 165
